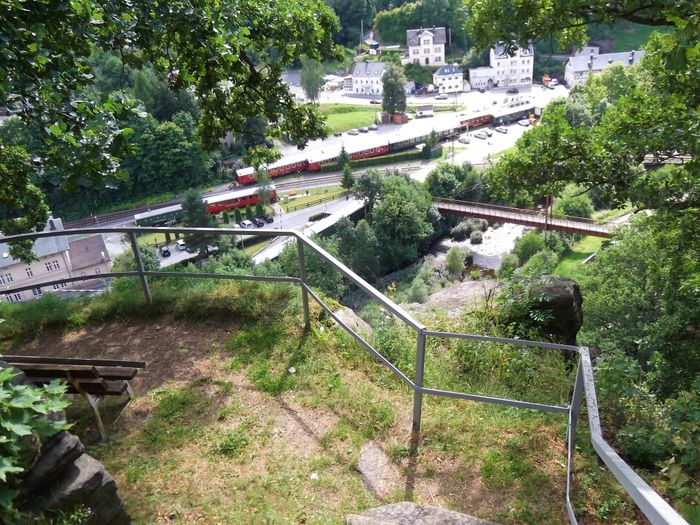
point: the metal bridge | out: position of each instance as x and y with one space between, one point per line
535 218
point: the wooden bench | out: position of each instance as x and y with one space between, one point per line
91 378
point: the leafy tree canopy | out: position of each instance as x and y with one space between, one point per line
394 93
228 54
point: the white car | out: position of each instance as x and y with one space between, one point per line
246 224
441 96
181 245
501 129
524 122
464 139
554 82
353 131
480 135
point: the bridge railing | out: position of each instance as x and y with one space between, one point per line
522 211
657 511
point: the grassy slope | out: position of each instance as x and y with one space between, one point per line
223 443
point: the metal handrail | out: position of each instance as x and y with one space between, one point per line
654 507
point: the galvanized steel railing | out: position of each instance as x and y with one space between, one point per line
655 508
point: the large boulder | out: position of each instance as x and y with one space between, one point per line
561 296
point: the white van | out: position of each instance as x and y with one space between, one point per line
180 245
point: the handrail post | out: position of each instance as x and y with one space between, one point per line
139 267
302 276
574 410
417 392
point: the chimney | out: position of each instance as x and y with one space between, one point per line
52 226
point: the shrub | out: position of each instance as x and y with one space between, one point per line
475 275
418 292
23 425
461 231
476 237
455 261
509 262
542 263
528 245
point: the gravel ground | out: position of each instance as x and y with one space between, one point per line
487 254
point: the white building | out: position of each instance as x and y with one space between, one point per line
449 79
426 46
580 67
504 70
367 78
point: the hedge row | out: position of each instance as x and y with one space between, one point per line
403 156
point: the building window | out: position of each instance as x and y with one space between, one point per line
438 59
59 286
98 271
14 297
6 278
37 292
438 50
416 51
426 51
52 265
426 42
29 271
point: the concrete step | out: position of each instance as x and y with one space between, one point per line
407 513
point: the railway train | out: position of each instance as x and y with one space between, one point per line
312 162
170 215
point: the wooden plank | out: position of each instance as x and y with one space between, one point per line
117 373
72 361
58 371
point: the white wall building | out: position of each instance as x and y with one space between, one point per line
504 70
580 67
367 78
426 46
449 79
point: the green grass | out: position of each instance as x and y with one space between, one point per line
311 195
577 254
342 117
267 426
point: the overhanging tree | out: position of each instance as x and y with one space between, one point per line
220 50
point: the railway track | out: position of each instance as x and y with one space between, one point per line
98 220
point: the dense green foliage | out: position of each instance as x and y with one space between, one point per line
24 425
393 23
394 92
311 77
212 49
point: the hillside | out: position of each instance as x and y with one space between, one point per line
244 418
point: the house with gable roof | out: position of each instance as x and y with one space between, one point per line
367 78
426 46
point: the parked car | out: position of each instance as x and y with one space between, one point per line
259 222
353 131
364 130
246 224
181 245
501 129
480 135
488 132
375 101
267 218
337 133
554 82
482 90
512 91
464 138
164 251
441 96
373 127
524 122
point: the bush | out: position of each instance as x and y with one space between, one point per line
528 245
542 263
455 261
418 292
476 237
402 156
475 275
509 262
461 231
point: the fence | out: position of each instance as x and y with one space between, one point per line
649 502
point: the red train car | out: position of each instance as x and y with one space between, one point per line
472 122
235 199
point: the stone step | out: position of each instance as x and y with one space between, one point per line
407 513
